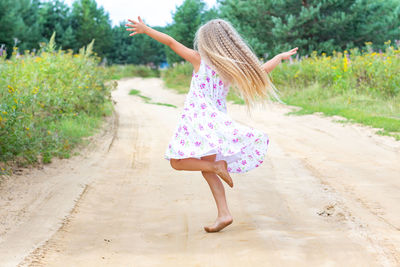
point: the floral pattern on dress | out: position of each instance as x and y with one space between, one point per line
206 129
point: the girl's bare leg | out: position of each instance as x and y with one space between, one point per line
224 216
193 164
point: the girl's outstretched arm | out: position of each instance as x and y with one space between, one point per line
188 54
271 64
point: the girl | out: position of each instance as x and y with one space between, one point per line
206 138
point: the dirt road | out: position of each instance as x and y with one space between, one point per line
328 194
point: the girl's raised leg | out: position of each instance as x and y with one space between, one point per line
194 164
224 216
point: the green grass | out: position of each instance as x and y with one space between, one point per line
148 99
134 92
163 104
368 109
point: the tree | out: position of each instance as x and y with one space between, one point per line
20 24
271 26
56 17
139 49
187 19
375 21
253 20
91 22
30 35
328 25
121 42
10 23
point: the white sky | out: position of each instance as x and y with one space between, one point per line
154 12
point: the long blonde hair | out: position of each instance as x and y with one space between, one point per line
221 46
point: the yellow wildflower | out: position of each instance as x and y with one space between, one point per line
35 90
345 64
10 89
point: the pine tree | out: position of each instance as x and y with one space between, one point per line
20 24
91 22
30 34
253 20
10 23
56 17
271 26
139 49
187 18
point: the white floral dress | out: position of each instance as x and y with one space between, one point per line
205 128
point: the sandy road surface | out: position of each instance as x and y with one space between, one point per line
328 194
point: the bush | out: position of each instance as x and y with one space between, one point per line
368 72
41 94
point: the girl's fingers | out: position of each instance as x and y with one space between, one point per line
131 20
132 34
129 25
140 20
131 30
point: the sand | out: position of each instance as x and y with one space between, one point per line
328 194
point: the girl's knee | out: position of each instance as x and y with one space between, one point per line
174 163
204 173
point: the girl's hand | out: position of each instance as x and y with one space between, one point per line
271 64
136 27
288 54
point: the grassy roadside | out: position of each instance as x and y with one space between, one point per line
49 102
366 109
363 87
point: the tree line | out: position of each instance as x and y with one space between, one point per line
269 26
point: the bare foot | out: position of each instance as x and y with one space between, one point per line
222 172
219 224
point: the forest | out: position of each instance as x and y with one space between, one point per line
269 26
